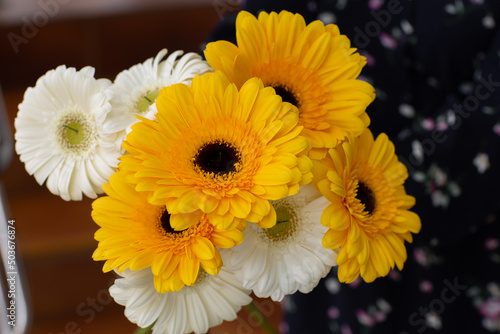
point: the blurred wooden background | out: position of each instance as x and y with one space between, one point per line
67 290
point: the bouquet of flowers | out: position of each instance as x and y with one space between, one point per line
252 171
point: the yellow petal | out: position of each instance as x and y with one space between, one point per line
336 216
212 266
317 53
161 262
368 272
225 222
349 271
409 220
269 220
188 270
173 283
221 55
188 202
274 193
380 262
223 206
203 248
206 203
382 152
250 35
272 175
354 240
364 255
171 266
334 239
239 207
227 239
182 221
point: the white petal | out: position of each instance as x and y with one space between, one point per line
59 96
152 75
43 167
193 308
197 314
268 281
281 266
255 264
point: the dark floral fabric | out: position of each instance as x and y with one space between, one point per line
435 66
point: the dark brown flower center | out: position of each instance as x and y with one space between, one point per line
366 197
165 223
219 157
286 95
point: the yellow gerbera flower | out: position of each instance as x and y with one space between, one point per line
136 235
368 217
218 151
311 66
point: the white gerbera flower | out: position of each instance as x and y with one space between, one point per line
288 257
137 88
211 300
59 133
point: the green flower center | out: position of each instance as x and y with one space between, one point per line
146 101
285 222
202 276
75 133
366 196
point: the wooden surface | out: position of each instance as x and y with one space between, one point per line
67 289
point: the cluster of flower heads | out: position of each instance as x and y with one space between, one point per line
252 171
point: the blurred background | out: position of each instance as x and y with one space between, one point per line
67 291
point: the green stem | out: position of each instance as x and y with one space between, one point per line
265 324
67 127
146 330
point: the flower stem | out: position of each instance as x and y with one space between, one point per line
264 322
146 330
67 127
